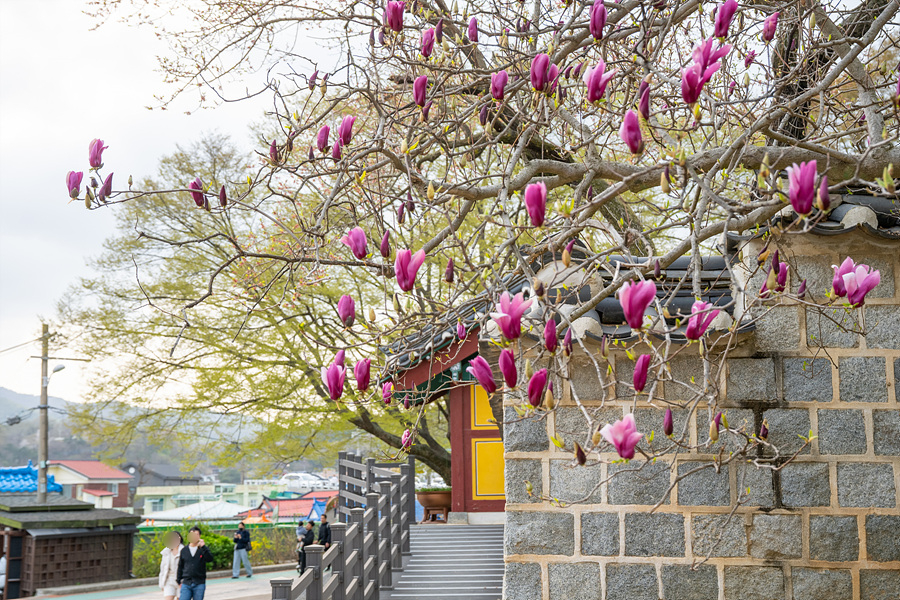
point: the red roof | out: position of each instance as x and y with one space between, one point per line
92 469
98 492
293 507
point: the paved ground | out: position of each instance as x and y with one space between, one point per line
451 562
448 562
256 588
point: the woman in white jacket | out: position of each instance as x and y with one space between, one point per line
168 566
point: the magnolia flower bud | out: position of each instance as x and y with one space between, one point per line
371 315
713 431
527 369
580 456
431 191
404 147
764 430
538 287
668 424
664 183
88 197
549 398
130 182
596 438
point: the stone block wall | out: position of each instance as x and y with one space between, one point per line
826 526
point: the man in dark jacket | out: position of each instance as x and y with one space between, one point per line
325 532
192 563
306 539
241 552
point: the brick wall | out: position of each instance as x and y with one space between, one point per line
826 526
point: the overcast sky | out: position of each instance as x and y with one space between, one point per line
62 85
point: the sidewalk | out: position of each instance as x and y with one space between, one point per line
256 588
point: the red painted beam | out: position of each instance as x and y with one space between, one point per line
443 360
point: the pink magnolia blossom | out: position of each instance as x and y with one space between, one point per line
333 377
507 365
567 342
223 198
536 386
859 282
508 315
460 330
355 239
598 19
837 283
644 100
596 79
406 439
428 42
630 132
498 84
196 187
769 27
473 30
635 297
623 435
106 189
483 374
540 66
693 78
551 340
273 152
406 266
724 15
337 150
700 320
823 200
776 279
95 153
640 372
393 15
385 247
668 424
362 372
802 186
749 59
419 87
322 138
73 183
387 392
339 357
346 308
345 131
536 202
708 52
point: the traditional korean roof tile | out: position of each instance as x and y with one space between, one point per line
877 216
24 479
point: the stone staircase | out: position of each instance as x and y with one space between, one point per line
450 562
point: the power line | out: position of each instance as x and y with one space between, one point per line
20 345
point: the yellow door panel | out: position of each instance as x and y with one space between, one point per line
487 469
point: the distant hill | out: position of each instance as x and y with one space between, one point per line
12 403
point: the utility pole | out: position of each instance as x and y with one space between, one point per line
42 443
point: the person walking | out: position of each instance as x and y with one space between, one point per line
192 566
306 538
168 565
241 552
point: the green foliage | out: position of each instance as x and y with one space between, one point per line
270 545
433 489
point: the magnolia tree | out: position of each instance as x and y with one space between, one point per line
456 145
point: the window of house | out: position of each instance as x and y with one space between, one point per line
155 504
114 488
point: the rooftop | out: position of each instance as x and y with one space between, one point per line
92 469
24 479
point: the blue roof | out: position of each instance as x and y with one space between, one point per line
24 479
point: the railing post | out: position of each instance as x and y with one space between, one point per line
372 502
357 517
396 521
384 533
339 566
370 475
281 589
314 561
408 509
342 486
